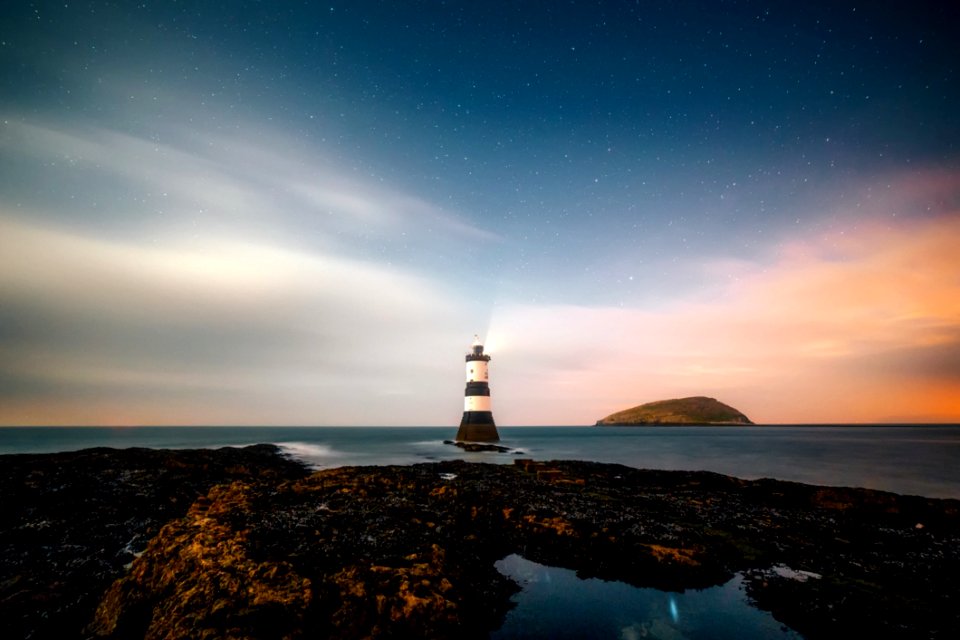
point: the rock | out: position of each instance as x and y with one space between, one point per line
409 551
698 410
475 447
71 522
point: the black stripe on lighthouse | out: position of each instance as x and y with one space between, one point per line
477 389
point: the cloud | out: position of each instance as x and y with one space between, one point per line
200 182
207 278
839 327
266 333
198 278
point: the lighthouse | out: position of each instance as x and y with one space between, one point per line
477 423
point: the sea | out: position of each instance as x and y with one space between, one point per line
554 601
914 460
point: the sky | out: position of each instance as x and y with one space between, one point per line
300 213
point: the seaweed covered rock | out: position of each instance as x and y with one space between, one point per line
409 551
71 522
241 543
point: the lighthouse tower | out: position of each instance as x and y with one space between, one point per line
477 423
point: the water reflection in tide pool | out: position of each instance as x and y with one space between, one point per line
555 603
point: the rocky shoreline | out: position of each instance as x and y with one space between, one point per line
72 521
244 543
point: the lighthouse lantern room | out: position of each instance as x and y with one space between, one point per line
477 423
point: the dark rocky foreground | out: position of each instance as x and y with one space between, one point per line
409 551
70 522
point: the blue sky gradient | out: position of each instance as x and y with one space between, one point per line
295 213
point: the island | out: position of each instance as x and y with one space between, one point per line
696 410
245 543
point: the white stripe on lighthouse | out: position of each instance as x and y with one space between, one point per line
476 403
477 371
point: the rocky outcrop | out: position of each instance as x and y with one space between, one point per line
697 410
409 551
71 522
479 447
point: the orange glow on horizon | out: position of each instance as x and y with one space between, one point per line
841 328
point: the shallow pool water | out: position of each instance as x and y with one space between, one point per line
555 603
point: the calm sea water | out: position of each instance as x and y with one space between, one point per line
920 460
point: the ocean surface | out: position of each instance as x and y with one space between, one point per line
918 460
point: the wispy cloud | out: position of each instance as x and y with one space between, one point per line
252 328
243 279
238 272
210 183
852 327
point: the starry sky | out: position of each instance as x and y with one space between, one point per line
300 213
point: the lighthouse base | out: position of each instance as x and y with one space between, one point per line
477 426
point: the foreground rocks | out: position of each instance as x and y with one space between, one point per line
409 551
70 522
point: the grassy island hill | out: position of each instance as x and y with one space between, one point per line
698 410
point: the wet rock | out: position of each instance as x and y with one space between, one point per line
475 447
409 551
399 551
71 522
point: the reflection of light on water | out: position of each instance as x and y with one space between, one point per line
673 610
